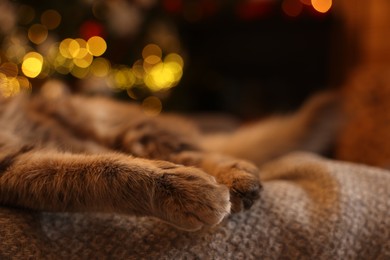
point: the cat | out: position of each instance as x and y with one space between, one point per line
76 153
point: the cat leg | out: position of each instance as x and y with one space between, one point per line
44 180
241 177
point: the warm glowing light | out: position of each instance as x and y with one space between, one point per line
82 50
292 8
138 69
96 46
151 50
15 52
151 106
9 86
321 6
26 14
174 57
32 64
9 69
84 62
80 72
100 67
160 77
37 33
124 78
65 46
306 2
73 48
24 83
51 19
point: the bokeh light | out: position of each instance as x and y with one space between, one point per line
9 86
96 46
51 19
292 8
100 67
26 14
37 33
32 64
9 69
321 6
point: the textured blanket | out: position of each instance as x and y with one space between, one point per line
311 208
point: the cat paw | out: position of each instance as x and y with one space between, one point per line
188 198
148 139
242 179
240 176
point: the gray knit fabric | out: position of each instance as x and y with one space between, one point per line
311 208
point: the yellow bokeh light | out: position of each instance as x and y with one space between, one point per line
100 67
174 57
82 50
62 64
51 19
73 48
151 50
80 72
83 62
160 77
151 106
124 78
64 47
15 52
138 69
321 6
9 69
9 86
32 64
24 83
37 33
96 46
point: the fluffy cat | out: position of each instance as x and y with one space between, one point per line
74 153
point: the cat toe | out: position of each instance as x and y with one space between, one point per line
190 199
242 179
244 192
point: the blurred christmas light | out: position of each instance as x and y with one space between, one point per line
151 106
9 69
32 64
65 47
96 45
321 6
37 33
100 67
9 86
151 50
26 14
91 28
176 58
306 2
51 19
124 78
24 83
15 52
80 72
292 8
84 62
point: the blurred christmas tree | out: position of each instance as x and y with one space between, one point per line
139 47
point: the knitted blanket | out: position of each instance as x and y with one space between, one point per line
311 208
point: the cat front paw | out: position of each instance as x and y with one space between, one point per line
241 177
188 198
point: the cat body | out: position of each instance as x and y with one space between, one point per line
74 153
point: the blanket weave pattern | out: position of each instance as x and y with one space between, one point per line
310 208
